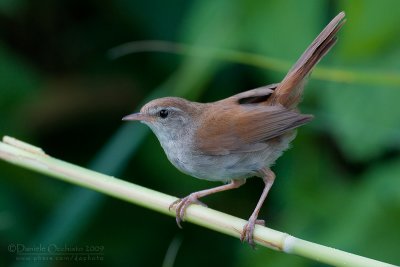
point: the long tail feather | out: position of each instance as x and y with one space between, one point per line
289 91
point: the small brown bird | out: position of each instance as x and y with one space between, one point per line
238 137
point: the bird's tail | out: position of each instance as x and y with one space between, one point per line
289 91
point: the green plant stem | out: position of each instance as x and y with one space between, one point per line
378 78
27 156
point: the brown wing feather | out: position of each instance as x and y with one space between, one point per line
235 128
256 95
246 121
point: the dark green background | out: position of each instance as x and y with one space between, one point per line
339 185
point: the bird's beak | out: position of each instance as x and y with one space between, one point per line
136 117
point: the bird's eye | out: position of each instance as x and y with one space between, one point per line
163 113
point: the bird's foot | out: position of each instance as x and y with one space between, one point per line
248 229
182 204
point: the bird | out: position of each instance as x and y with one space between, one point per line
238 137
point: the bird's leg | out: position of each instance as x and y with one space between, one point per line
183 203
248 229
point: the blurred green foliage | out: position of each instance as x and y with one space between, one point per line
339 185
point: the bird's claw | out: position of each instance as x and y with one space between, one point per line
182 204
248 230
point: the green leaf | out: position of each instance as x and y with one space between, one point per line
280 29
17 78
10 7
365 120
370 217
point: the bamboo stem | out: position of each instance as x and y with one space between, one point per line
30 157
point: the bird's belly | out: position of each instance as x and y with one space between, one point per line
224 167
230 166
216 168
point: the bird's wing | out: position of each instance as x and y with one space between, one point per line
257 95
236 125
